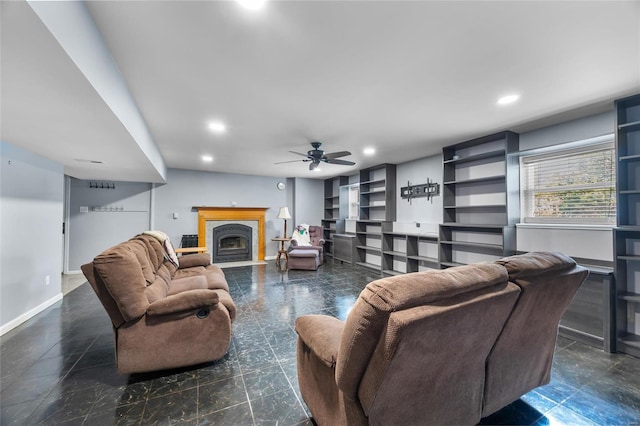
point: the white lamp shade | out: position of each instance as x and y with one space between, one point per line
284 213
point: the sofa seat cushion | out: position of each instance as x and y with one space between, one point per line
303 253
214 278
157 290
178 285
215 282
200 270
304 259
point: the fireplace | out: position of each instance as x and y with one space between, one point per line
210 218
232 243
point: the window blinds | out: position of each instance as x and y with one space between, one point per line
575 186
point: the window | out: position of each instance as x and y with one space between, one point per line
354 201
576 186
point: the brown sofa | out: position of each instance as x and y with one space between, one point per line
438 347
163 316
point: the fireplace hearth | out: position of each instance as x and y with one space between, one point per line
232 243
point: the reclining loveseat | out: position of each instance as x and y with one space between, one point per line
439 347
163 315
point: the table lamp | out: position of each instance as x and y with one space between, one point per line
284 214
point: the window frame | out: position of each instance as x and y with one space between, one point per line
604 142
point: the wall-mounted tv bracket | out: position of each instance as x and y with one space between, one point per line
429 189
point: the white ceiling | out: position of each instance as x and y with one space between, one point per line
404 77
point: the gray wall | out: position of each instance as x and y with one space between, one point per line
115 215
185 189
570 131
426 212
31 215
134 207
309 203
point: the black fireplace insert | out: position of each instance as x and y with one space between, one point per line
232 243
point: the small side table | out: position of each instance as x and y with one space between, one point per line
282 251
186 250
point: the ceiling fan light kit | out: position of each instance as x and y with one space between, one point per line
317 155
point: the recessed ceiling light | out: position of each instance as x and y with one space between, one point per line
217 127
509 99
252 4
369 150
207 158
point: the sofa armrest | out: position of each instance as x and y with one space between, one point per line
321 334
184 301
200 259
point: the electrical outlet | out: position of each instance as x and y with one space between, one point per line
47 280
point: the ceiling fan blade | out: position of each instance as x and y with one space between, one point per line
337 154
299 153
314 165
290 161
341 162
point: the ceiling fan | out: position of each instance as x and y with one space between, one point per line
317 155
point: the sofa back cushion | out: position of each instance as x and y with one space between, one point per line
522 357
398 327
154 250
142 254
315 235
120 271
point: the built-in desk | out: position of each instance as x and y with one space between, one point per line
589 317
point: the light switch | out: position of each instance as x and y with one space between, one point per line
175 215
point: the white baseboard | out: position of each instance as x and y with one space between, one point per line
29 314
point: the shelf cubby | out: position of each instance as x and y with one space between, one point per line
335 210
377 210
480 199
626 235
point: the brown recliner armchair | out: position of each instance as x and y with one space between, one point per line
436 347
314 239
522 357
163 316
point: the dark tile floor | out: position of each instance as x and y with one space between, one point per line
58 367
